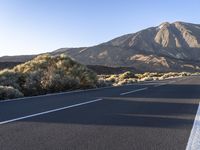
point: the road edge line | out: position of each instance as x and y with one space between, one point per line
194 142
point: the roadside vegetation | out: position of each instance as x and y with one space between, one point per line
45 74
49 74
130 78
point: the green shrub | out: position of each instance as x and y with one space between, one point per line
170 75
112 78
33 83
185 74
8 92
47 74
11 78
148 78
127 75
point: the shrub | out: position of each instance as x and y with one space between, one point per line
155 74
32 84
103 83
146 78
112 78
185 74
47 74
10 78
170 75
8 92
127 75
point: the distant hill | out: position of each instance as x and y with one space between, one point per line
9 65
167 47
19 58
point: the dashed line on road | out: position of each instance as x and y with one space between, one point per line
49 111
160 85
170 82
142 89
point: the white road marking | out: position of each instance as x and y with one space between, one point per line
160 85
134 91
49 111
194 139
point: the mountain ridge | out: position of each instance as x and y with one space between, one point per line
166 47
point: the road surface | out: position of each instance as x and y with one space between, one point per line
146 116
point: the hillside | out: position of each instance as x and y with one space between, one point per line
167 47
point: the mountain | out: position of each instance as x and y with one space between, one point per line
18 58
167 47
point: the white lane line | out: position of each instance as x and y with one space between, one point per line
194 139
49 111
160 85
134 91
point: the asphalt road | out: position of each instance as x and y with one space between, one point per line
146 116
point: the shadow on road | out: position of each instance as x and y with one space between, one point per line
124 112
176 91
169 106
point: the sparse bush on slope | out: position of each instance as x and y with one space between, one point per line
47 74
8 92
10 78
127 75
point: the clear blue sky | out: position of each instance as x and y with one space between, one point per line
35 26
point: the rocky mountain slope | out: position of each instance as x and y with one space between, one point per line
167 47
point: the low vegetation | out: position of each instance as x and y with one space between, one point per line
129 77
8 92
45 74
